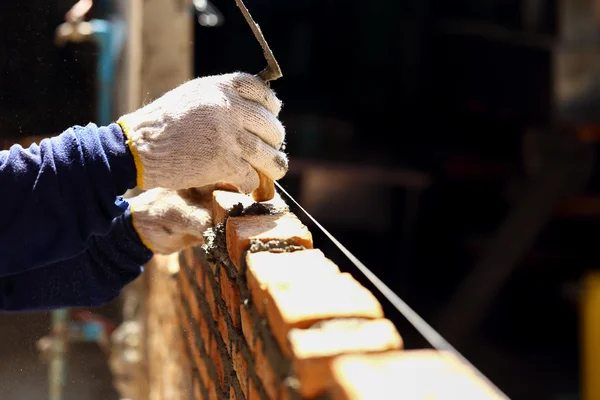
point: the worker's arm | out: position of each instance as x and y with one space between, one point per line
159 222
55 196
88 280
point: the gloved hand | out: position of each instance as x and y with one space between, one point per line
216 129
169 221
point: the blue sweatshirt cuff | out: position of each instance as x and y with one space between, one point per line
90 279
60 193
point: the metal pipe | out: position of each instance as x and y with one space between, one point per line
58 365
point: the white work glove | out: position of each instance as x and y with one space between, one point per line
168 221
216 129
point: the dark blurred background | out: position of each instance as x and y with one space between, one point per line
449 144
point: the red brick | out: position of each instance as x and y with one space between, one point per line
265 372
189 295
241 369
204 333
197 389
254 395
414 374
301 304
183 343
222 325
231 295
189 336
203 372
314 349
215 355
266 269
286 227
212 390
199 274
210 298
247 328
197 361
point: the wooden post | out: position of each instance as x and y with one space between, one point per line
158 56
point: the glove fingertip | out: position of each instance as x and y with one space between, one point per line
250 182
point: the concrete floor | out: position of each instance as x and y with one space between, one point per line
24 377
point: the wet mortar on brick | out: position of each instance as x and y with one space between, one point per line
213 256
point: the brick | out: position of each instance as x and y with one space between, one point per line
183 343
222 326
199 274
265 268
414 374
204 333
212 390
247 328
189 336
284 227
265 372
223 201
215 355
197 389
197 361
314 349
231 295
240 366
210 297
301 304
253 392
203 372
189 295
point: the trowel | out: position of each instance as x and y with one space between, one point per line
266 188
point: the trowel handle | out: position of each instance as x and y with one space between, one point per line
265 190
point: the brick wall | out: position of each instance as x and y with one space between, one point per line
265 315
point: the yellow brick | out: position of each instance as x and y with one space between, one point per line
301 304
266 269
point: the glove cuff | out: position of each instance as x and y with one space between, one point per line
142 128
136 227
139 166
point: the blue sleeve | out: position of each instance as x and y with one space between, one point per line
91 279
55 196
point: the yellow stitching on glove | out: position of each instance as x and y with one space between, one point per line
132 212
136 156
